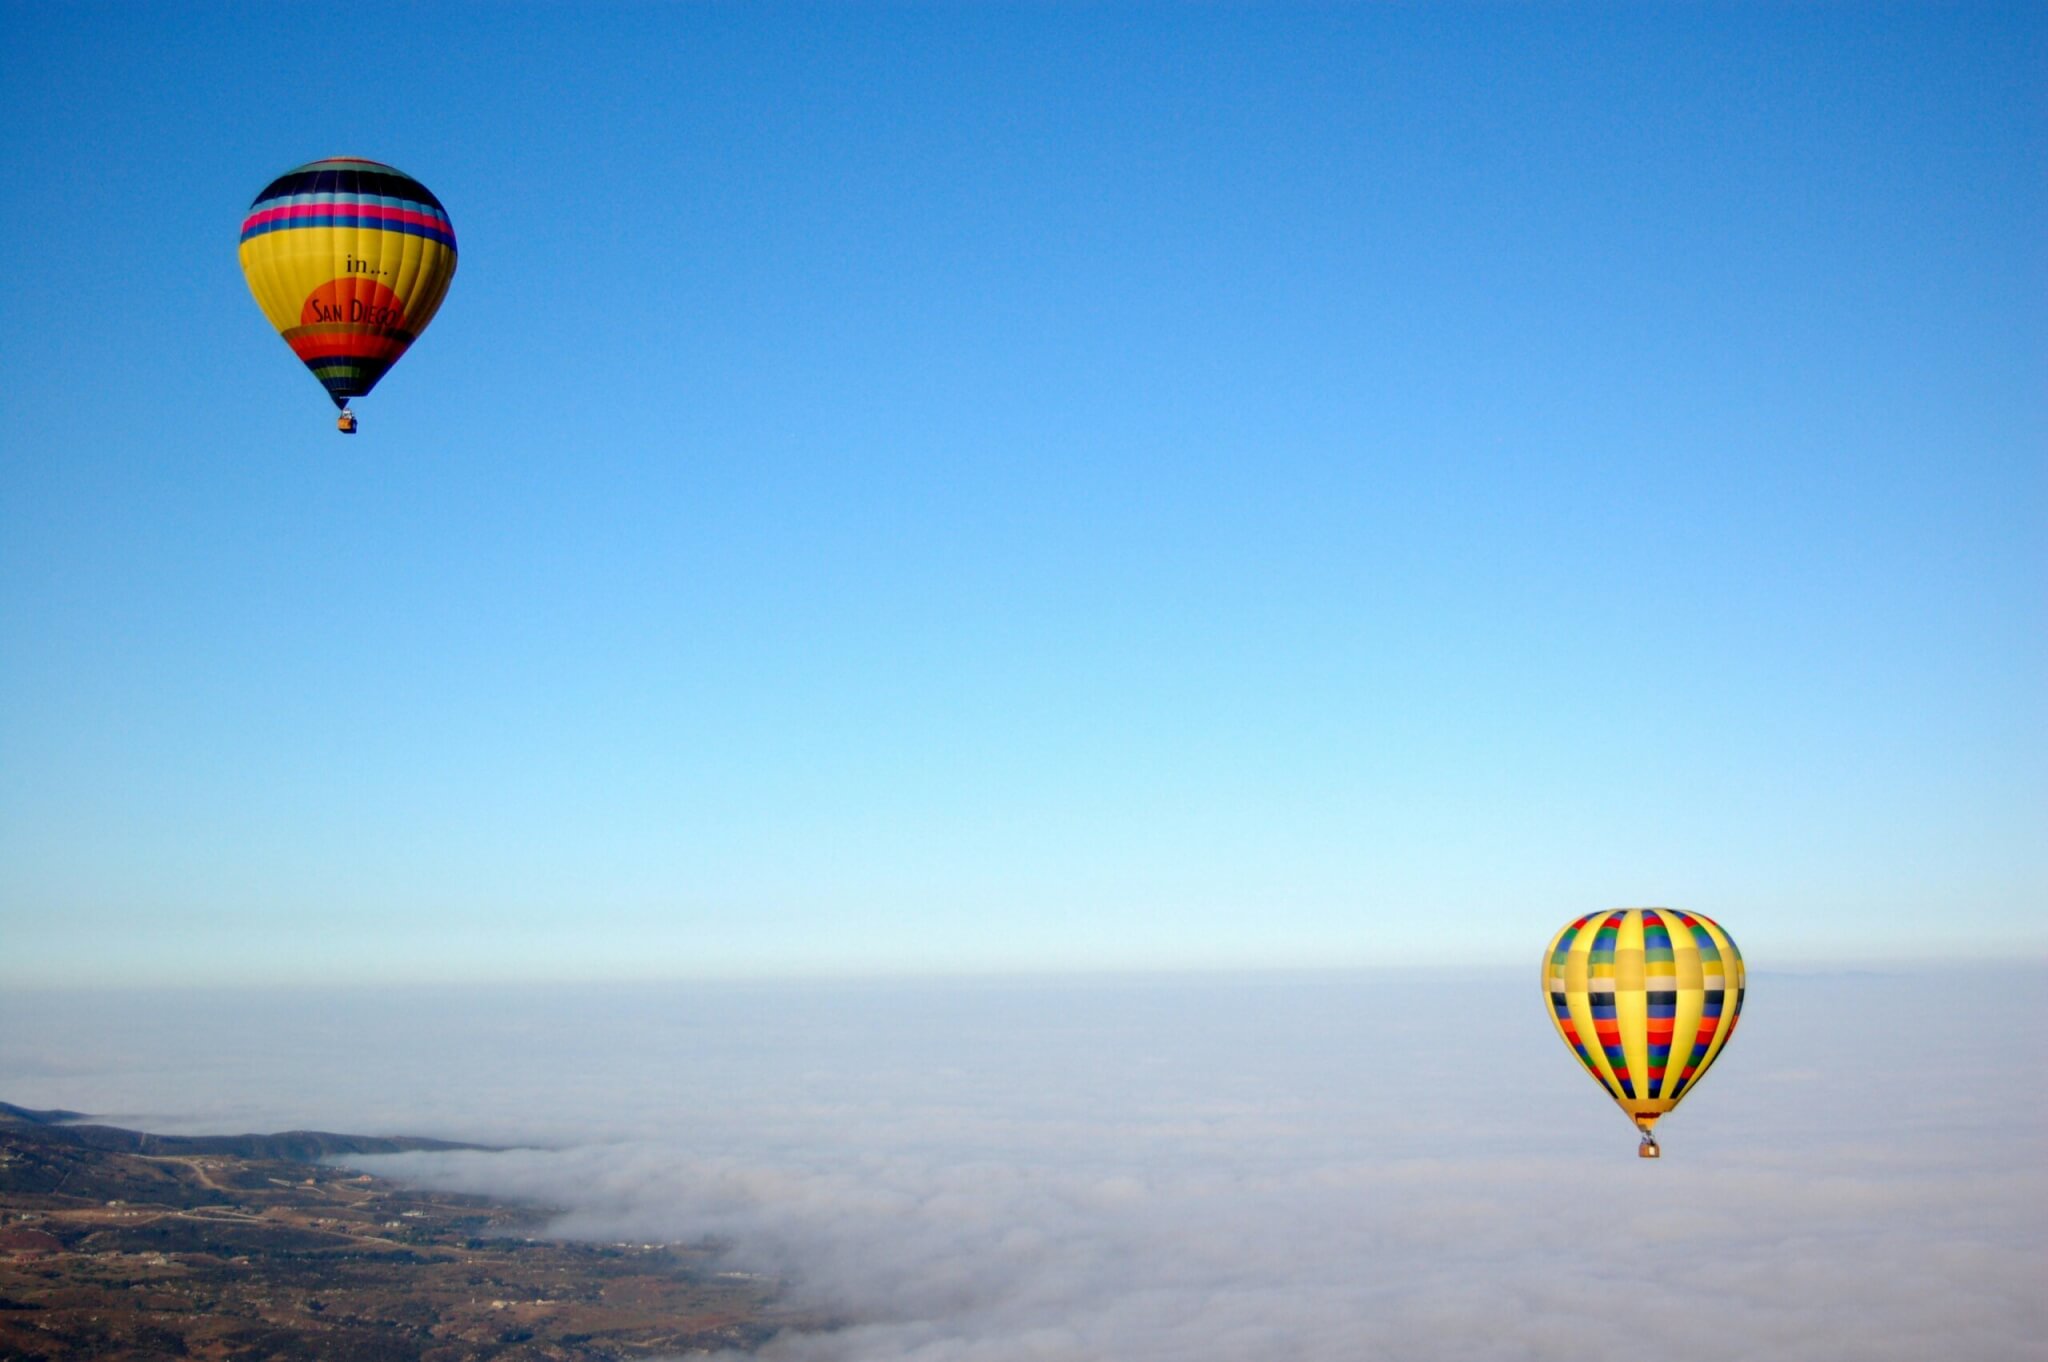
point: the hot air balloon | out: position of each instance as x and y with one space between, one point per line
1647 998
349 259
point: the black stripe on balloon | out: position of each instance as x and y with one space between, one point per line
383 184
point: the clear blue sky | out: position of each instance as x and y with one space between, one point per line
960 487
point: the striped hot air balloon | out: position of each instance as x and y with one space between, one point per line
349 259
1646 998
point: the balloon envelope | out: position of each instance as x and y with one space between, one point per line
1647 998
349 259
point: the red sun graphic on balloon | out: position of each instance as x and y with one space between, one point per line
355 301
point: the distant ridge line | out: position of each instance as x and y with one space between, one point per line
40 1118
294 1146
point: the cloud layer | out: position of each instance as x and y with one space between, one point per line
1207 1170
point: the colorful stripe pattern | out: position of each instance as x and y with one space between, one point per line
1560 1003
1660 997
1716 1018
349 259
1657 990
1600 996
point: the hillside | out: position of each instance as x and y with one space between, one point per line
122 1245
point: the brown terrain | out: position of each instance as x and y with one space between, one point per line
119 1245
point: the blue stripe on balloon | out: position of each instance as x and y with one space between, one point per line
350 220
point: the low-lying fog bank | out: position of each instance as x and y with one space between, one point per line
1322 1166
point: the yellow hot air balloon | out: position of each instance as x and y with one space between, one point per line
349 259
1647 998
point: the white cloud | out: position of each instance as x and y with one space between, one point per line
1317 1167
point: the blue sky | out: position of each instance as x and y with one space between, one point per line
988 488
